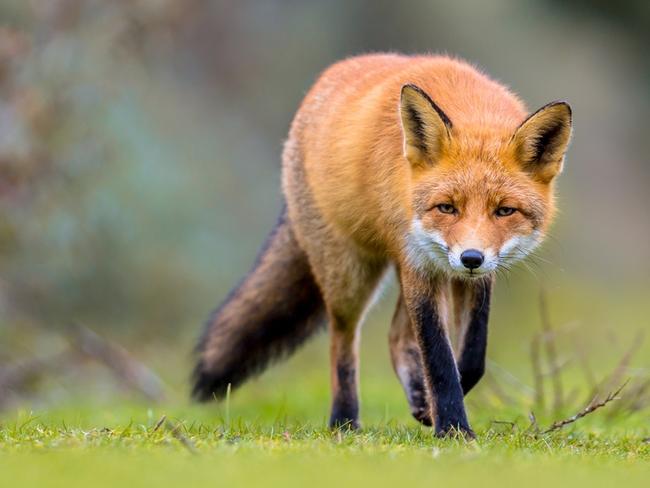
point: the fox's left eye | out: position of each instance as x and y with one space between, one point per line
505 211
446 208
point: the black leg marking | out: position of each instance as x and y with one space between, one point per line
472 361
345 406
440 368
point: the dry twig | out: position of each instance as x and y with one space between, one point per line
636 398
592 407
159 423
176 432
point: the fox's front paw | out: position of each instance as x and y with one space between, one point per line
344 423
345 414
454 429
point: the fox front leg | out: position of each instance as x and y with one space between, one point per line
439 365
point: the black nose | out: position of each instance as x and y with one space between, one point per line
471 258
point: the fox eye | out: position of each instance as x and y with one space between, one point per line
446 208
505 211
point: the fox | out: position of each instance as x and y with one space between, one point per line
420 164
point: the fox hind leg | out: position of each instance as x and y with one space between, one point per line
346 300
405 355
347 279
344 370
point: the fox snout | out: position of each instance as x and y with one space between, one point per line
472 261
472 258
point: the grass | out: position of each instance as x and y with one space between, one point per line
130 445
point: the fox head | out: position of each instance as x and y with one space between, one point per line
482 196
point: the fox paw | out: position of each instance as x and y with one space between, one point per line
344 423
455 431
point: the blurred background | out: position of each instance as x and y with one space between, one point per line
140 147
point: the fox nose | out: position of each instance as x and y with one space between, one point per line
472 258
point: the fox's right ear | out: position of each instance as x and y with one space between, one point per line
426 128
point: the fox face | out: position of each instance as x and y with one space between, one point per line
482 198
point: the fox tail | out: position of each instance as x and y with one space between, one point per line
276 307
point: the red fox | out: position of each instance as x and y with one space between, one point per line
422 164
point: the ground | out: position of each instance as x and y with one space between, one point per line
124 446
86 429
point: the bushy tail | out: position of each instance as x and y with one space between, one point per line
274 310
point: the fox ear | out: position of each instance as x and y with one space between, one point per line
542 139
426 128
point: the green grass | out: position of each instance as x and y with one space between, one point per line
110 447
